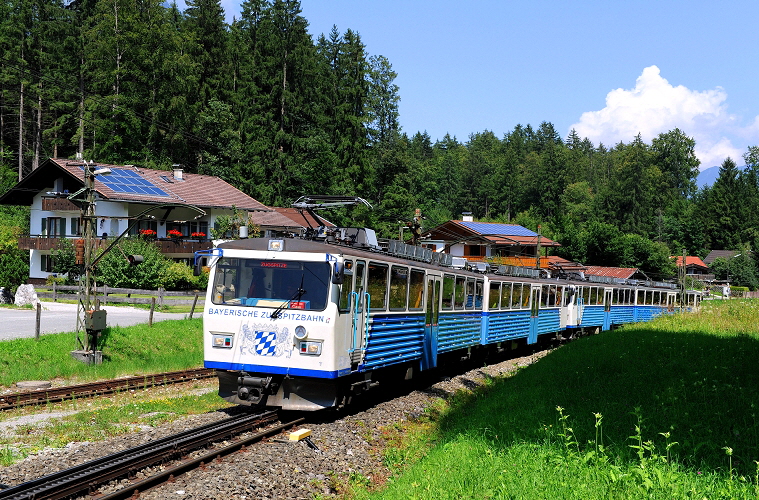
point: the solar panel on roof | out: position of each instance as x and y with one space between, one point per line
504 229
124 180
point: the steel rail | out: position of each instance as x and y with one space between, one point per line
86 477
54 395
166 475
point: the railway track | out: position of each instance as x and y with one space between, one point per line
37 397
87 478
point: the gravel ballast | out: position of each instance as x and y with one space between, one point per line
349 446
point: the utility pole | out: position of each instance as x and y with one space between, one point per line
90 317
537 251
682 273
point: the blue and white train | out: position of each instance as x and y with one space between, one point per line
305 324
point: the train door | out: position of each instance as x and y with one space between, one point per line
563 303
534 314
359 315
607 308
432 314
580 300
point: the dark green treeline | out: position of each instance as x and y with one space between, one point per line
278 114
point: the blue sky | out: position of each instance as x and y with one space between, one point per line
608 69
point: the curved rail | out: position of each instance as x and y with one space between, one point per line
36 397
86 478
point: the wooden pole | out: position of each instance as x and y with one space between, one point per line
152 308
194 303
37 326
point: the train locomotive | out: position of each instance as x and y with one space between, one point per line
306 323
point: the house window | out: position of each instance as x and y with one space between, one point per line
143 225
56 227
46 263
473 251
76 229
187 228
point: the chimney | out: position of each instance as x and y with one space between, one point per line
177 172
467 217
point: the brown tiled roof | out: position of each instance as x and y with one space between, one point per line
725 254
286 217
193 189
611 272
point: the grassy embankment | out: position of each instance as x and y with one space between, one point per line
660 410
140 349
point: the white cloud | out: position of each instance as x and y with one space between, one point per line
655 106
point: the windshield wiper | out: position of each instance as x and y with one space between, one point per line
296 297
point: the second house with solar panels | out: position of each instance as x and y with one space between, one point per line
126 192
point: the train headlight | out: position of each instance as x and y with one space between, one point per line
276 245
300 332
223 340
310 348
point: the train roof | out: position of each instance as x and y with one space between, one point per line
378 253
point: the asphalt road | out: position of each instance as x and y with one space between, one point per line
60 318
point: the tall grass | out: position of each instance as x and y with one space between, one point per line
660 410
140 349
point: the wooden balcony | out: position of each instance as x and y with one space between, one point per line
58 204
166 246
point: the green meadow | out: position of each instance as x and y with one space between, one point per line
666 409
140 349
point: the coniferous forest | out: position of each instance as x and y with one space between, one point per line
279 113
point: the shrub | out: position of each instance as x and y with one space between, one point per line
14 268
114 269
64 262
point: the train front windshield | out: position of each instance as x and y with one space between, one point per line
266 283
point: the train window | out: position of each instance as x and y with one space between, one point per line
495 295
516 296
347 288
416 290
552 295
360 283
586 295
544 296
505 295
448 286
525 296
593 296
648 297
479 290
377 285
225 282
615 296
470 293
460 297
398 288
263 283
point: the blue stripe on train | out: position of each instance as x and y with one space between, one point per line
276 370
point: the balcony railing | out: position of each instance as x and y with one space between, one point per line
165 245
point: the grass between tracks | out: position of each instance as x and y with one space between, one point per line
166 346
660 410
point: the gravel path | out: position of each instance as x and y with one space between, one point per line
349 445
